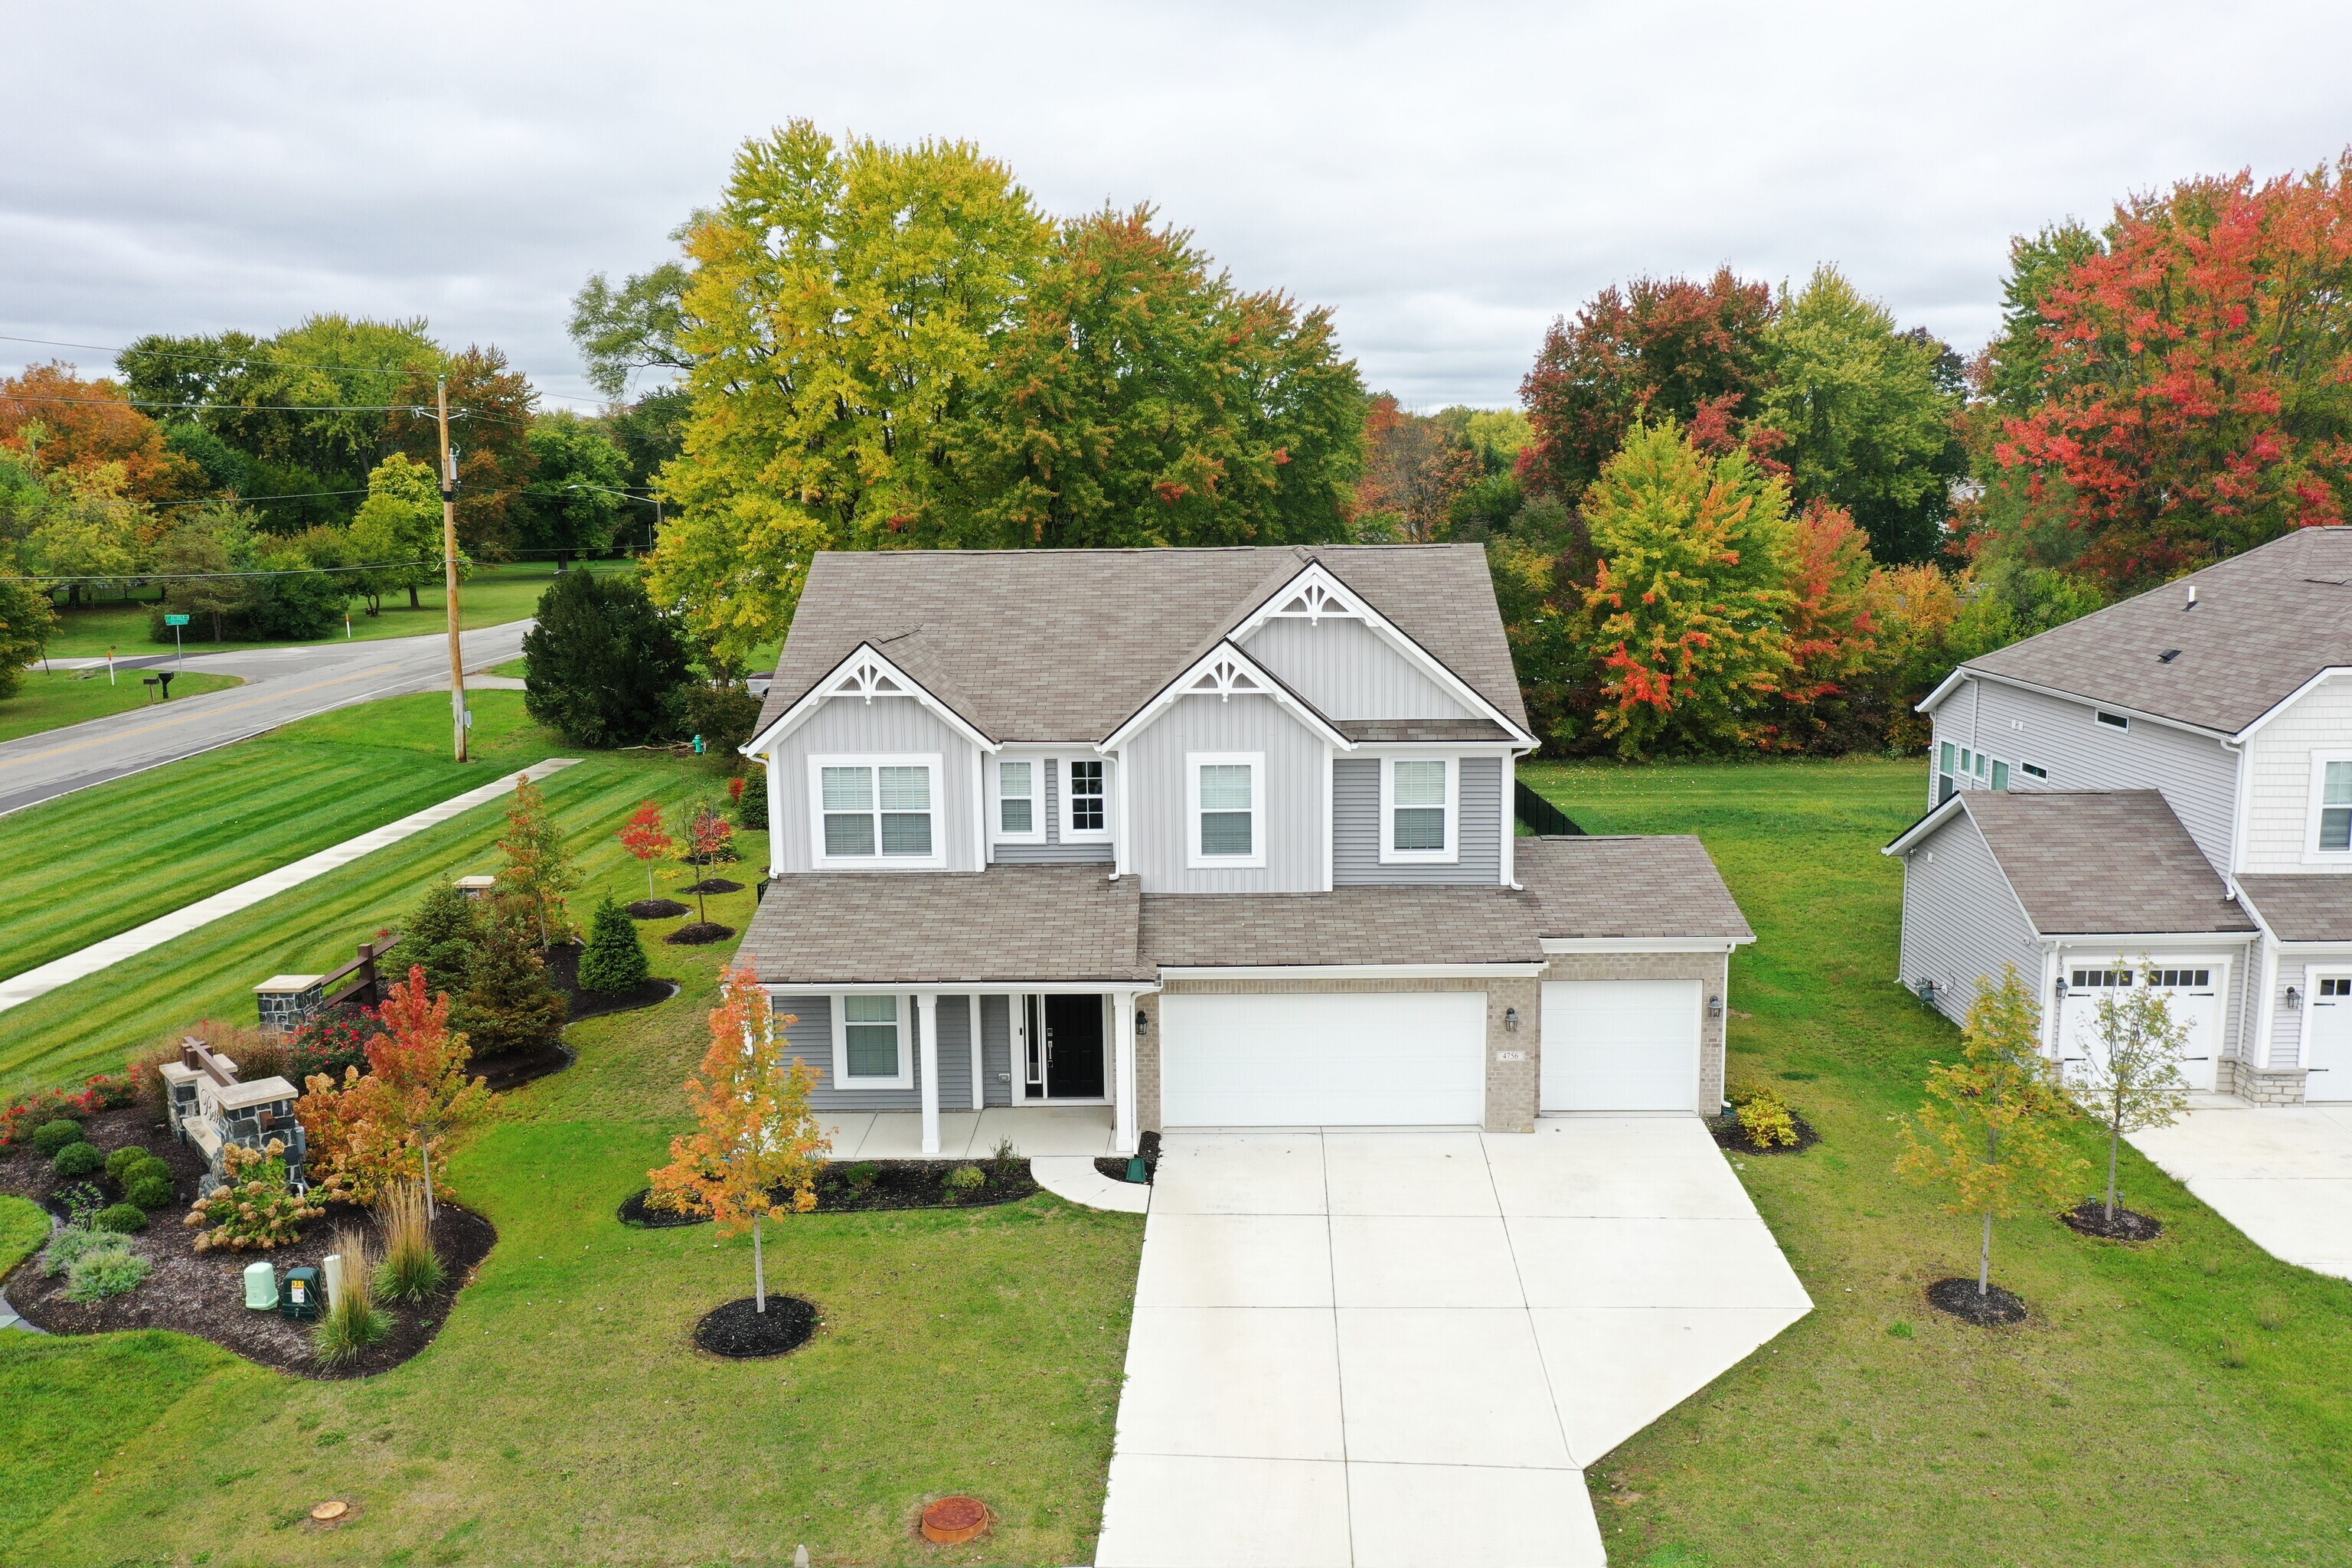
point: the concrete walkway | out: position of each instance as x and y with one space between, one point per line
23 988
1072 1130
2281 1173
1401 1348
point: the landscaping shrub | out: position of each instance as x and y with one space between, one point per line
78 1160
864 1175
1765 1117
967 1178
724 716
614 960
50 1137
353 1322
508 1004
328 1043
70 1242
105 1271
606 667
750 799
104 1092
121 1218
252 1210
119 1164
152 1187
441 934
410 1269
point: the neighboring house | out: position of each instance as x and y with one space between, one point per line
2170 779
1214 837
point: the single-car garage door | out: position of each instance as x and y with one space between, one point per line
1292 1059
1621 1044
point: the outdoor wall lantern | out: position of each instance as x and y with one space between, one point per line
2062 988
2293 999
1714 1007
1143 1021
1511 1020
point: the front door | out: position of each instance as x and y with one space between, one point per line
2329 1021
1074 1047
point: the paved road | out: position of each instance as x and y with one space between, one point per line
281 685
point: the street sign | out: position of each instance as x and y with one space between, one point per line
176 620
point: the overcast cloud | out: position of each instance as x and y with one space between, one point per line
1448 178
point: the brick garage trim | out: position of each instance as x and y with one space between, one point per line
1711 969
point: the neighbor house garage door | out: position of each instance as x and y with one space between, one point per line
1291 1059
1621 1044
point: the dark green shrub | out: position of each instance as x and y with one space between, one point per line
152 1187
863 1174
508 1004
121 1218
967 1178
51 1136
77 1160
724 716
441 934
119 1163
606 667
614 961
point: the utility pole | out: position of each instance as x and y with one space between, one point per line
449 565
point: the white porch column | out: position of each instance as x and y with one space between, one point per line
1123 1117
979 1082
926 1034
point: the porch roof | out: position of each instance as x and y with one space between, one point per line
2309 907
1371 925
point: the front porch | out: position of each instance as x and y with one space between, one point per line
1036 1130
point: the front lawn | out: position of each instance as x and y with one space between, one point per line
2181 1402
49 699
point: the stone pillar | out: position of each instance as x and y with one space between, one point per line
926 1035
1123 1128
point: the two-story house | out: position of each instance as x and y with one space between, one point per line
1205 837
2168 781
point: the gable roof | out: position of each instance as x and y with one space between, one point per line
1661 886
1065 644
2265 623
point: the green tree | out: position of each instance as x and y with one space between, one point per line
614 961
26 619
2133 1076
1683 621
204 546
508 1004
529 887
1990 1134
400 525
440 937
605 667
1867 412
634 327
570 507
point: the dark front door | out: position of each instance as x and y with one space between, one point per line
1074 1047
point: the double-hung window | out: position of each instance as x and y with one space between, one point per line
2331 787
1944 777
1225 794
870 1049
1020 800
1086 800
1419 808
877 813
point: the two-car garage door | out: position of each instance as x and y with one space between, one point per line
1621 1044
1300 1060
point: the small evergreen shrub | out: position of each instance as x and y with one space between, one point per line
119 1163
967 1178
750 799
121 1218
106 1271
78 1160
508 1004
152 1187
50 1137
614 961
606 667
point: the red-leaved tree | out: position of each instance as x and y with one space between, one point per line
644 836
1832 631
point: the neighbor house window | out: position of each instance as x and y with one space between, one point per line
2001 775
1418 809
1018 818
1086 811
1226 793
2332 783
869 1047
2113 720
2033 772
1945 785
877 811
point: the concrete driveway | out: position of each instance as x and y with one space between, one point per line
1359 1348
2281 1173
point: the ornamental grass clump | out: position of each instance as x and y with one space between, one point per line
254 1209
410 1269
353 1320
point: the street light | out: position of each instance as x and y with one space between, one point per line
653 502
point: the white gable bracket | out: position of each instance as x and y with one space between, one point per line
1224 672
864 675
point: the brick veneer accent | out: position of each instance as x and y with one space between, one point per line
1710 968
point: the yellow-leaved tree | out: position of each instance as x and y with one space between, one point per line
759 1144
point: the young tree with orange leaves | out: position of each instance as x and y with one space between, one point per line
538 873
1832 633
758 1146
644 836
416 1090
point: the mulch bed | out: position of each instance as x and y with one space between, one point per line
1729 1135
563 964
2089 1217
714 885
1997 1307
511 1069
657 910
895 1185
740 1332
203 1293
1115 1166
699 933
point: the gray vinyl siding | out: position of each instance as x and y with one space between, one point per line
811 1039
850 726
2286 1022
1054 851
1356 826
1348 671
1960 922
996 1049
1290 798
2196 776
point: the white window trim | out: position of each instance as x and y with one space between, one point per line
1071 835
905 1077
1193 859
1036 766
2313 855
1451 855
878 861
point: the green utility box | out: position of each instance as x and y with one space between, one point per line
261 1286
306 1297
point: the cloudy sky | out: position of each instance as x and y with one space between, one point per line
1448 178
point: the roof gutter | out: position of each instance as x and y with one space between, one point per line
2207 731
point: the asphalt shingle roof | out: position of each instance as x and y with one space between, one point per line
1348 925
2265 622
1064 645
1008 923
2088 863
2312 908
1665 886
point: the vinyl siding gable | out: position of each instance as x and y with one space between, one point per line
1356 826
2278 790
849 726
1349 671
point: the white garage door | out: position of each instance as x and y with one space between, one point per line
2192 989
1621 1044
1415 1058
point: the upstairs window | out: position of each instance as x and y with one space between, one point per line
2332 827
2001 775
1018 818
877 811
1085 812
1418 808
1226 797
2113 720
868 1048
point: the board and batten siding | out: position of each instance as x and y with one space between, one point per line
2196 776
2278 789
850 726
1356 826
1960 922
809 1035
1349 671
1290 796
1053 851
